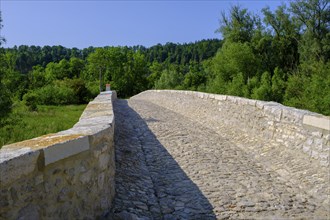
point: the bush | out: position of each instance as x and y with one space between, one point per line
56 95
93 88
5 102
79 89
62 92
31 99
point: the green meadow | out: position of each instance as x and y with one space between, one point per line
23 124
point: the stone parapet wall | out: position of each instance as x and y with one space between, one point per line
67 175
299 130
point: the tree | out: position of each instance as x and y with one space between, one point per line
37 77
234 58
310 90
278 85
239 26
285 38
98 64
11 77
2 39
237 87
5 100
264 91
155 70
76 67
314 18
170 79
195 77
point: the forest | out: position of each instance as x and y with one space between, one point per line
280 56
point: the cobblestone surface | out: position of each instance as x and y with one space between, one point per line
170 167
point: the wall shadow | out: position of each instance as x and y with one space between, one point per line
149 182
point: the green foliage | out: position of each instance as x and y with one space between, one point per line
263 92
63 92
37 77
195 78
170 79
239 26
31 99
2 39
313 19
93 88
155 72
237 87
309 88
234 58
5 100
278 85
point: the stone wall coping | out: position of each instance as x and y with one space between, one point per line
23 157
317 121
276 110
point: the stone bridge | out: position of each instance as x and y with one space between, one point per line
173 155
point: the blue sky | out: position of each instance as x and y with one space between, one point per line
111 23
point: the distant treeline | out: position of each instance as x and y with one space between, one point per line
282 57
26 57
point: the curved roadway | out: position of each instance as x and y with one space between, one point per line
170 167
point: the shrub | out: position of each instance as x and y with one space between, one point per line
31 99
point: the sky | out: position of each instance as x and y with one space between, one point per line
115 23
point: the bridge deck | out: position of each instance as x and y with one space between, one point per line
170 167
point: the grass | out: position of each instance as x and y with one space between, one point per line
23 124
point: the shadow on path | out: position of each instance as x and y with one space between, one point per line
149 182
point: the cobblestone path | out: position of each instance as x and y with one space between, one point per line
169 167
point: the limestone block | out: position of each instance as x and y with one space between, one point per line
86 177
324 163
220 97
14 167
39 179
307 150
85 129
232 99
327 137
293 115
260 104
325 155
315 154
318 144
101 137
104 160
321 122
200 95
100 180
244 101
274 111
251 102
65 149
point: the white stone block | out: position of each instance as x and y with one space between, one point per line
220 97
66 149
322 122
232 99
